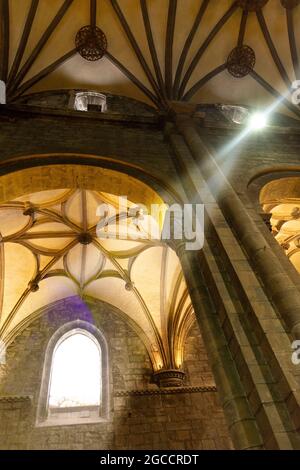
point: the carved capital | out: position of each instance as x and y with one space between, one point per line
169 378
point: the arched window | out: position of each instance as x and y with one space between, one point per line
74 386
76 372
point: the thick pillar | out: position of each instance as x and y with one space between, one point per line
260 352
241 422
280 288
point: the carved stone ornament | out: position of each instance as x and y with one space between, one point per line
241 61
169 378
252 5
91 43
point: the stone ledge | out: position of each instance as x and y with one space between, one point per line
167 391
11 112
14 399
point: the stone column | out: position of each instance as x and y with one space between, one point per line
241 422
221 328
280 288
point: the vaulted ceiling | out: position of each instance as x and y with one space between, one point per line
157 50
281 200
54 245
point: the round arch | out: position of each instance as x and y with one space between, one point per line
260 179
20 327
278 186
39 172
43 172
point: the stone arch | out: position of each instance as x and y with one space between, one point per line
17 175
43 172
40 312
266 189
259 179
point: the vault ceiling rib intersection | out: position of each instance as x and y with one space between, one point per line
54 246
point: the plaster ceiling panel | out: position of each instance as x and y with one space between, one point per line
158 14
112 201
212 15
75 262
283 210
17 21
275 17
292 226
19 268
119 45
225 88
105 75
116 245
172 272
285 220
92 209
123 262
73 208
179 293
109 267
44 15
101 76
95 262
113 291
217 53
146 275
84 262
63 40
59 264
44 197
128 229
49 227
186 13
296 21
44 261
264 64
50 290
186 305
11 221
48 244
133 14
149 227
32 282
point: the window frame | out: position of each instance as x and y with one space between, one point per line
73 415
89 96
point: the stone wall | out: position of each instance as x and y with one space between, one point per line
60 99
141 416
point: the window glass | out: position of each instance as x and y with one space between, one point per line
76 373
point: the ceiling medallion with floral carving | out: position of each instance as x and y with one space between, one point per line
91 43
252 5
241 61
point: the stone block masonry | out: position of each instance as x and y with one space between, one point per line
141 415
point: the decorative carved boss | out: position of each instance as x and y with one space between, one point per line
252 5
241 61
91 43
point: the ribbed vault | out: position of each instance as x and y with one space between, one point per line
281 200
56 244
229 51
